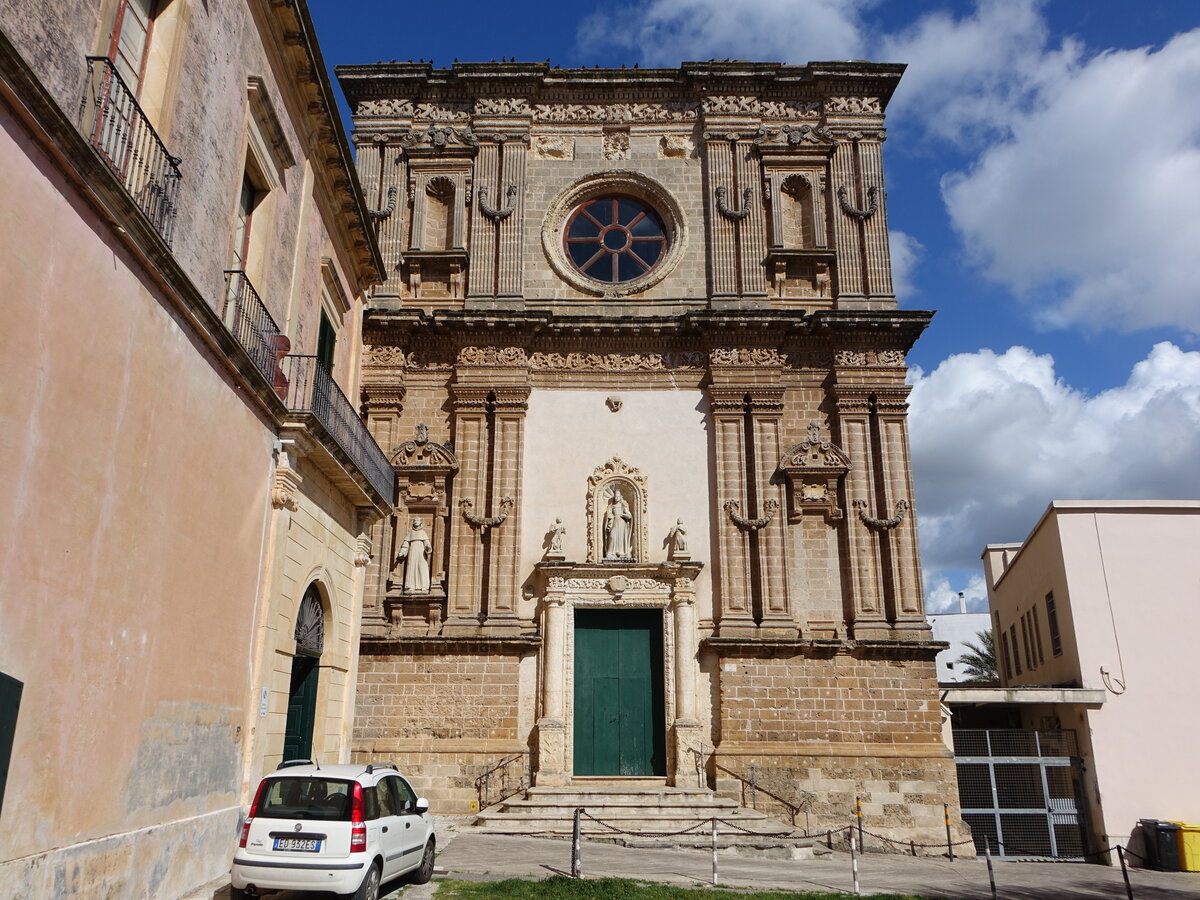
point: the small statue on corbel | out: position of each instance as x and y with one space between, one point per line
556 533
677 546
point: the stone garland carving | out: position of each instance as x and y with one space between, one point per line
492 356
734 214
861 214
497 215
770 506
747 356
616 362
502 106
854 105
615 112
484 523
902 508
380 215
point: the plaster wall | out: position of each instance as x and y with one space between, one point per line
1131 569
568 433
123 566
957 629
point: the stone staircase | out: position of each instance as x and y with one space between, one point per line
643 813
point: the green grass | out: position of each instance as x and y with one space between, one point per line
560 888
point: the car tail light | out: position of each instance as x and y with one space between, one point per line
253 812
358 831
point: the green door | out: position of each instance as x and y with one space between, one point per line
302 708
619 728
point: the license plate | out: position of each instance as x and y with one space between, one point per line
306 845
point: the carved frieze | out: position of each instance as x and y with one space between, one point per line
890 358
502 106
615 145
766 109
747 356
492 356
615 362
404 108
617 113
440 138
854 106
384 355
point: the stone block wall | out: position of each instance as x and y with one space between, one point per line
443 715
823 730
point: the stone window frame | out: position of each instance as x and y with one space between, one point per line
619 181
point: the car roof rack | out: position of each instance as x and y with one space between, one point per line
288 763
371 767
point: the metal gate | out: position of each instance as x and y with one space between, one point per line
1020 792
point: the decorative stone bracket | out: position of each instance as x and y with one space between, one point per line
482 523
770 506
813 469
881 524
861 214
497 215
734 214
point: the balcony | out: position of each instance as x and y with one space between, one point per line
118 130
311 391
245 315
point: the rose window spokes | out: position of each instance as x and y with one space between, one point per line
614 239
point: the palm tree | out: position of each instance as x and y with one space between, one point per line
979 662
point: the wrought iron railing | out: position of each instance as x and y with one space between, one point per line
312 389
245 315
508 777
114 124
762 799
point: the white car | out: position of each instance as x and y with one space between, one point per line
345 829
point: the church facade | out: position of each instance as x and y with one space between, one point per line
639 367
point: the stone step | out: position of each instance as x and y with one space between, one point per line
657 822
570 803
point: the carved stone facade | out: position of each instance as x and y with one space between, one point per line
677 309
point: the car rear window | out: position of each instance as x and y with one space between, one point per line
306 798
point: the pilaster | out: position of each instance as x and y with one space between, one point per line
510 405
847 240
892 416
466 548
736 610
552 729
766 410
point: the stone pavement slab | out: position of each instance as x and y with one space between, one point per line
469 856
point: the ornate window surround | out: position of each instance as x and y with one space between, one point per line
620 181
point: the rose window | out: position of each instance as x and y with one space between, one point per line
615 238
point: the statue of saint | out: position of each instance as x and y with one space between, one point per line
677 539
557 530
618 528
415 553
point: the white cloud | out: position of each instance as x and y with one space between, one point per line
1089 208
995 438
906 253
666 32
941 596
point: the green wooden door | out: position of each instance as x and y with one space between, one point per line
302 708
619 727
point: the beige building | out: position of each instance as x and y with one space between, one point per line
187 488
1096 621
639 367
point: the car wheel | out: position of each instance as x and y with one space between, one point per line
369 889
424 871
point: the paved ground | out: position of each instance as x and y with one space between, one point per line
478 857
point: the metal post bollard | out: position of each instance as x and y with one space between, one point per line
854 863
858 814
576 848
987 851
753 787
1125 871
949 842
714 849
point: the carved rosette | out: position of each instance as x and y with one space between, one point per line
813 468
616 476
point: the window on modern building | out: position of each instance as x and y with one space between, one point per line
1005 656
1052 623
1012 631
1037 634
1025 641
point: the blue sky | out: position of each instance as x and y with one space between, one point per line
1043 176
